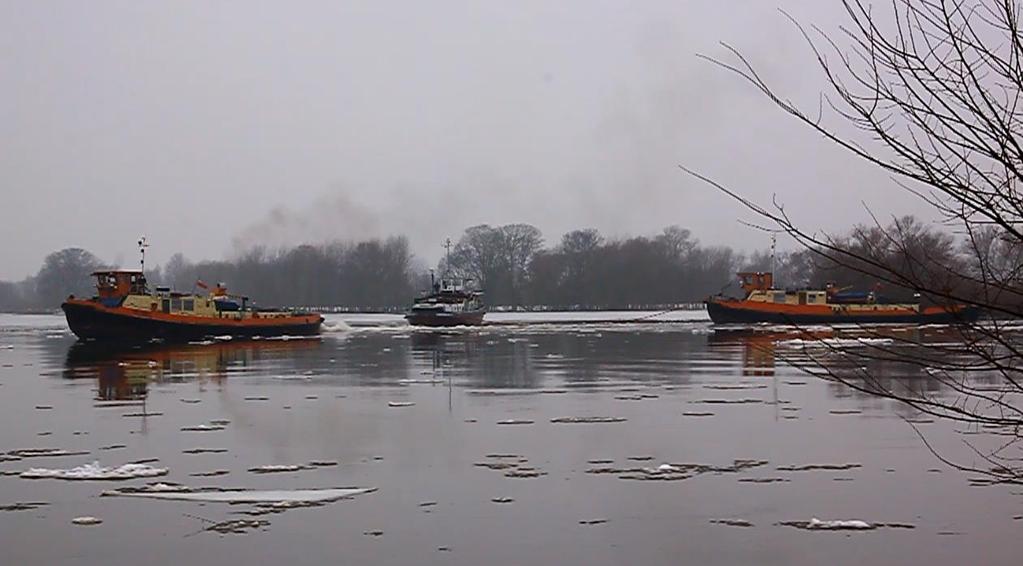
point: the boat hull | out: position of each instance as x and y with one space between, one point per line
90 321
445 319
732 312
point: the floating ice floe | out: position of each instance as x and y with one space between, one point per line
204 451
335 326
400 403
732 522
237 526
498 392
588 420
322 463
513 466
210 474
86 520
23 506
745 401
515 422
202 428
94 471
414 381
814 467
214 495
836 342
675 472
815 524
39 453
279 468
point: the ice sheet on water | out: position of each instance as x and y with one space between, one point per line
335 326
213 495
94 471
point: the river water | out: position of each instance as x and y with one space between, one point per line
472 445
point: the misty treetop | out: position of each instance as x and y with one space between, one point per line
583 269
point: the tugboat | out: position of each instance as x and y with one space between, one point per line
764 303
124 309
449 303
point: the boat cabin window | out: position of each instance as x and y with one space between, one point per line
188 304
137 284
175 304
106 281
779 297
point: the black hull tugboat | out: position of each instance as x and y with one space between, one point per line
124 309
764 303
449 303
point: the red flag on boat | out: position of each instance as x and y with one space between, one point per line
199 283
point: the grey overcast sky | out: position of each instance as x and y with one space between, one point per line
214 126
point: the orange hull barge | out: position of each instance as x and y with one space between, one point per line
764 303
124 310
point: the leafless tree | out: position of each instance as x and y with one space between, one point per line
935 85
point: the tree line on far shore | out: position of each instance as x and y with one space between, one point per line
582 270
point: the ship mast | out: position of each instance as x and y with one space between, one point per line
447 256
142 253
774 248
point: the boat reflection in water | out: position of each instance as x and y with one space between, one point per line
123 373
759 347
